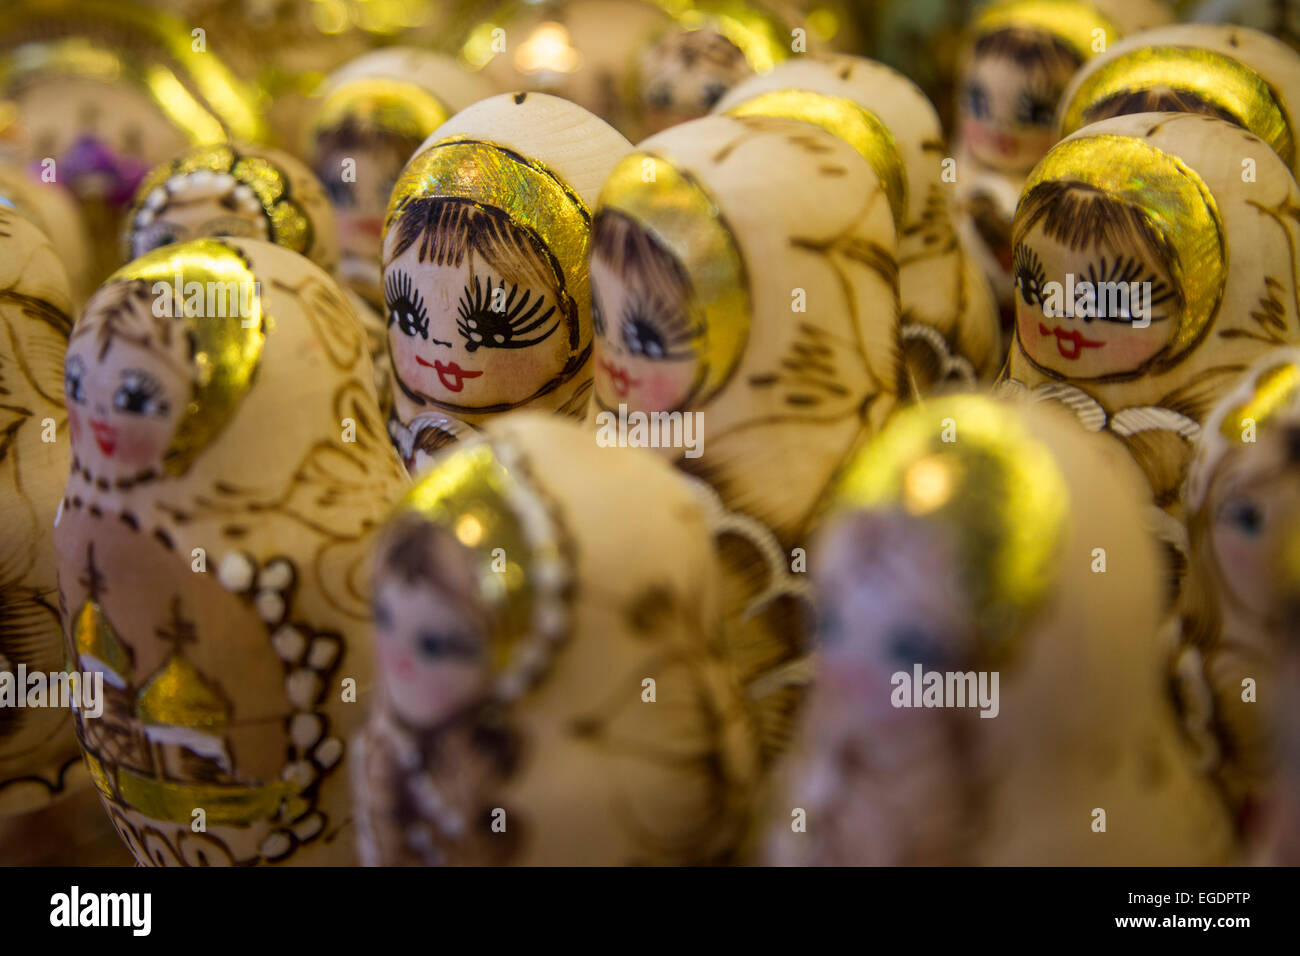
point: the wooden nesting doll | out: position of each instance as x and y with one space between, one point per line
712 46
585 51
53 210
253 192
1282 837
552 684
990 687
1193 221
1019 57
949 326
1278 18
368 118
1242 498
485 267
1237 74
38 755
745 287
100 92
228 465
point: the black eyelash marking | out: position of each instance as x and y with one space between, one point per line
406 307
1127 270
1029 277
140 393
657 333
484 327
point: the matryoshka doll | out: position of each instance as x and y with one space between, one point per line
990 686
1281 844
552 684
485 267
1155 208
52 209
38 751
712 46
228 466
368 118
1239 75
99 92
1019 57
1242 498
745 286
949 326
253 192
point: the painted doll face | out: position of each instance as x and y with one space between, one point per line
685 74
887 600
432 655
125 402
1129 319
1007 110
1253 503
199 205
646 346
474 336
359 179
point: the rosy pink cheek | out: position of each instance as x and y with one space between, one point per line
139 446
661 391
74 423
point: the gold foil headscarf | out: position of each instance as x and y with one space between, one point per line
481 495
675 208
289 225
1217 79
854 124
1171 197
384 104
532 196
226 347
194 89
998 491
1074 23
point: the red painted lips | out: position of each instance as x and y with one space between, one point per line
1075 341
619 379
105 435
450 374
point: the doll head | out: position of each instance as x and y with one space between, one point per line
154 370
1009 86
431 626
1117 275
1235 74
479 316
684 74
232 191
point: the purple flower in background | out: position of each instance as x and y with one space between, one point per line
95 171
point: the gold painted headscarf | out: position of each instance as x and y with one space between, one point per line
1246 75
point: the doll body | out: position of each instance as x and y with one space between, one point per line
485 272
1240 496
37 749
574 707
707 241
948 323
221 591
997 772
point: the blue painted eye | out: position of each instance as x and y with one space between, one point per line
1247 518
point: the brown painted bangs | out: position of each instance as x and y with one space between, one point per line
1029 49
124 310
631 251
419 554
1162 100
